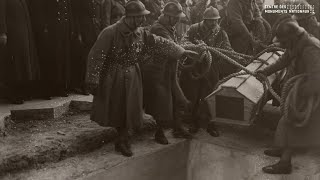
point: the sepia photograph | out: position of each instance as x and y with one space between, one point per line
159 89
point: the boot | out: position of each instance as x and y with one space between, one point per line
124 148
213 132
273 152
181 133
160 137
278 168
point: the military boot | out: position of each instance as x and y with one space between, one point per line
160 137
182 133
124 148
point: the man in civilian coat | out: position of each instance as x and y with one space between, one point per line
300 128
53 26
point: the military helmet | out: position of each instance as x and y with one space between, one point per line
136 8
288 30
173 9
211 13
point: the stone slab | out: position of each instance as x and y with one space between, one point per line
40 109
82 104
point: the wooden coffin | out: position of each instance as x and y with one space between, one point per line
233 102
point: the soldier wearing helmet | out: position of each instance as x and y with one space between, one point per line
114 75
164 99
301 58
209 32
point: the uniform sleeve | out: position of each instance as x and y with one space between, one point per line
235 12
161 47
189 37
282 63
97 56
3 26
225 41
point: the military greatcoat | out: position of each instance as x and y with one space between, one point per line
113 66
162 91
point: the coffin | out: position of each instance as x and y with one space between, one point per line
233 102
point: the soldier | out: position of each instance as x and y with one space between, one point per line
19 58
241 13
209 32
113 66
183 25
52 24
90 18
163 97
115 10
154 6
296 130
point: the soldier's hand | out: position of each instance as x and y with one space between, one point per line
3 39
260 75
190 54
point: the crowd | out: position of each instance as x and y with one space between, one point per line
129 54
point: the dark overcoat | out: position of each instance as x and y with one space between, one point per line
53 26
303 58
113 66
197 89
90 18
19 61
160 84
240 14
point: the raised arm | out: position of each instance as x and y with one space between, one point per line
97 56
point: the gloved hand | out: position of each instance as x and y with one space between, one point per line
261 75
256 44
190 54
3 39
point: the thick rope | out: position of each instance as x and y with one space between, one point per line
290 96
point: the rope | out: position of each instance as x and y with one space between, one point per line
290 96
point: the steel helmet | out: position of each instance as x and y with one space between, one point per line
136 8
289 30
173 9
211 13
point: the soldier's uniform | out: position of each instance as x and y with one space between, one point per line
164 99
241 13
113 67
197 89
